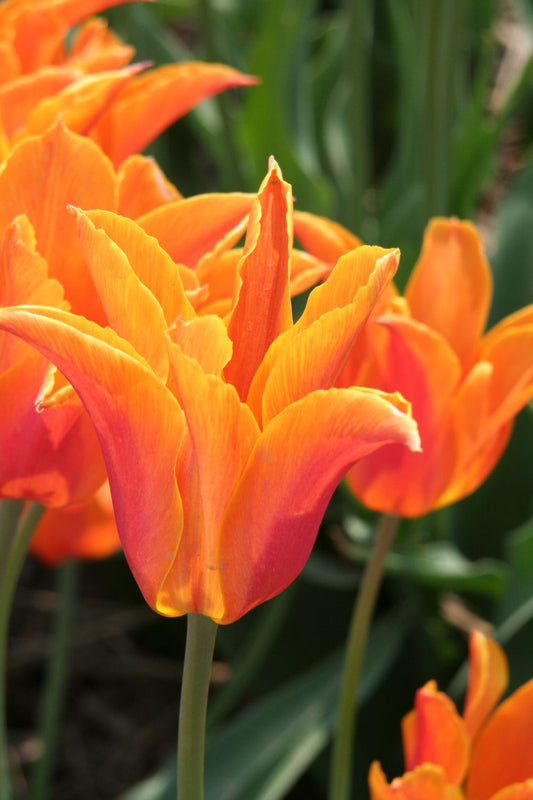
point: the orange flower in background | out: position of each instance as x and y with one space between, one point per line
465 387
87 82
488 751
223 438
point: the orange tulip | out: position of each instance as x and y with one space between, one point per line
488 752
223 438
465 388
88 83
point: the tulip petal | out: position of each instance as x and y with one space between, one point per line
81 103
405 355
322 238
262 310
157 99
20 96
124 308
488 678
205 339
296 464
426 782
40 178
503 751
139 425
153 268
82 530
450 288
312 353
518 791
142 186
189 229
218 423
434 733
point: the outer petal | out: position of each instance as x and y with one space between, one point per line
219 424
323 238
434 733
518 791
95 48
427 782
82 530
159 98
139 425
40 178
262 309
488 678
312 353
450 288
80 104
405 355
274 514
189 229
142 186
503 751
20 96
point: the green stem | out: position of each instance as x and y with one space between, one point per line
341 769
15 536
56 678
201 634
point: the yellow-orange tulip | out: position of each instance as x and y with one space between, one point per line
223 438
465 387
88 83
487 751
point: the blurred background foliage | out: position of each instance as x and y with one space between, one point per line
381 114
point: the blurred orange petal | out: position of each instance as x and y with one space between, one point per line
81 530
450 288
427 782
434 733
487 680
142 186
503 751
323 238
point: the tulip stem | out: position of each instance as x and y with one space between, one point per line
341 769
56 678
15 534
199 647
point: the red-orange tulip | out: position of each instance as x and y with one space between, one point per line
465 388
488 752
223 438
88 83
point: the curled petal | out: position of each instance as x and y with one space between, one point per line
517 791
503 751
311 443
312 353
157 99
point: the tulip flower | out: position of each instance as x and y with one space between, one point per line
223 438
88 83
485 754
465 387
